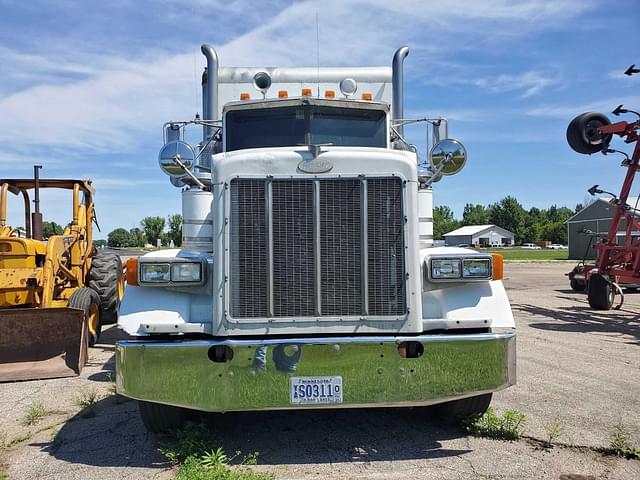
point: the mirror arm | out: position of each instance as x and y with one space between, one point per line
176 160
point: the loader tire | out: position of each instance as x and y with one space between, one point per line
159 418
107 279
577 285
600 293
88 301
465 407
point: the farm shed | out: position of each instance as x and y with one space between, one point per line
591 225
479 235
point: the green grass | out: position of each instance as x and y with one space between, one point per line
200 457
35 413
508 426
620 442
531 255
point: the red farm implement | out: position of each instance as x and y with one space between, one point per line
617 260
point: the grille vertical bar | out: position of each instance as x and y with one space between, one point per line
340 247
293 259
386 247
248 249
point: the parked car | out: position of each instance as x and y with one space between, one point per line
558 246
530 246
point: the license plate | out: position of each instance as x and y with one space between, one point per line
315 390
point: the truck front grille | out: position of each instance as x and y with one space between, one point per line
317 248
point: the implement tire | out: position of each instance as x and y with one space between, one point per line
88 301
465 407
577 285
600 292
158 418
107 279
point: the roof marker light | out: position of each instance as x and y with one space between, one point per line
330 94
283 94
307 92
367 96
245 96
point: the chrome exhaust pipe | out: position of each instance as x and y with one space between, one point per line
210 99
397 81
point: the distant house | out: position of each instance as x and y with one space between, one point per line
591 225
479 235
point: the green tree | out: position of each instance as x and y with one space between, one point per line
51 228
136 237
175 229
443 221
118 238
474 215
153 228
510 215
100 243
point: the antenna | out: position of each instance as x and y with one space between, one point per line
318 53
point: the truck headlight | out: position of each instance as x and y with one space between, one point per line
186 272
155 272
445 268
171 272
476 268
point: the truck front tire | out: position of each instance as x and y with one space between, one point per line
158 418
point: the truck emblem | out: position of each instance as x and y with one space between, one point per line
315 165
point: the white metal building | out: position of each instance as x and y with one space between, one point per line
480 235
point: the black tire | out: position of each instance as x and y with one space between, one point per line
158 418
107 279
88 301
600 292
583 135
577 285
464 408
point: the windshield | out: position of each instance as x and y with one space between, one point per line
305 125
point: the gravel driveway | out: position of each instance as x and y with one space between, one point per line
577 368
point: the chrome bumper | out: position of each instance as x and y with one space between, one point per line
373 373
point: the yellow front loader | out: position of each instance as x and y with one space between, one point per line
55 293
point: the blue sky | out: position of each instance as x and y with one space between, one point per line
86 86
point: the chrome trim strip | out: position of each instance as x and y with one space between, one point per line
268 212
232 342
316 248
364 248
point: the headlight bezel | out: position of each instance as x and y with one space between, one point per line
461 260
172 264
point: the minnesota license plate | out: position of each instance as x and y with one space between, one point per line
315 390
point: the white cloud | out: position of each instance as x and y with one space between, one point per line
118 102
571 110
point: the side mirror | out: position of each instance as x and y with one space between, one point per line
447 157
584 136
176 158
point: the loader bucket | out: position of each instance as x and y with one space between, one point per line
37 343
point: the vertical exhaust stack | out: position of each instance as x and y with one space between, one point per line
210 108
397 80
36 220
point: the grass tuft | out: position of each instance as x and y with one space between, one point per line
554 430
87 401
509 426
20 438
35 413
620 442
200 458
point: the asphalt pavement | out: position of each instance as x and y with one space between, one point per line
578 370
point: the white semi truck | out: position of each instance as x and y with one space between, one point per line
306 276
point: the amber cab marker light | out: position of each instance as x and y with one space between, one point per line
330 94
497 266
131 271
367 96
306 92
283 94
245 96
